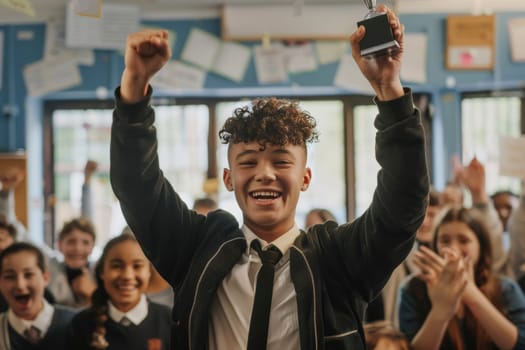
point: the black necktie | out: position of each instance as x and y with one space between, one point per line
258 334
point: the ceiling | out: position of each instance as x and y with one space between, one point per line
45 9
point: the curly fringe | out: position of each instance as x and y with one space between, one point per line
270 121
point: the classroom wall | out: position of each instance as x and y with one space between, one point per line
24 44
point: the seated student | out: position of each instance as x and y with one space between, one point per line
517 239
504 202
72 281
382 335
120 315
318 216
204 205
30 323
10 179
458 302
8 233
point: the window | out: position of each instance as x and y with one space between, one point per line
84 134
343 161
485 119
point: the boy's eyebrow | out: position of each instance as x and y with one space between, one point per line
119 260
246 152
253 151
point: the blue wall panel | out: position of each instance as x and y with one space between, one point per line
19 52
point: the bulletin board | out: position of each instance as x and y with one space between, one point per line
17 160
470 42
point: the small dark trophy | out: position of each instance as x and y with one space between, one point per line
379 39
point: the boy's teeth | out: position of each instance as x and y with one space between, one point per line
265 194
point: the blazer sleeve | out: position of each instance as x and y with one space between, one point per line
164 226
374 244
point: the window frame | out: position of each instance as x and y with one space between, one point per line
349 103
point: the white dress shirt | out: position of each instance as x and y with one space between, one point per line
232 306
42 321
135 315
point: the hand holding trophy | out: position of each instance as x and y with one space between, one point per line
379 39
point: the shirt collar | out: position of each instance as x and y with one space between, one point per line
135 315
283 243
42 321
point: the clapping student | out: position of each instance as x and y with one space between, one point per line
266 284
30 322
120 315
458 302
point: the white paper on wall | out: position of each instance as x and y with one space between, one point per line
231 61
270 64
414 67
348 76
55 43
201 48
107 32
517 38
89 8
178 75
23 6
512 157
44 77
300 58
331 51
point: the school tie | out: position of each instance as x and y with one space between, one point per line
32 335
258 333
124 321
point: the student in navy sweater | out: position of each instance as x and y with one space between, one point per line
30 323
120 316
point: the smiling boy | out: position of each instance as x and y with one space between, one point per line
23 277
326 276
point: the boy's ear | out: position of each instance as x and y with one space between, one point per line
47 277
59 246
307 178
226 178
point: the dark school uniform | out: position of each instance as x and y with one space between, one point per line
54 338
153 333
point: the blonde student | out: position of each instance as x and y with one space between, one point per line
265 283
30 322
120 315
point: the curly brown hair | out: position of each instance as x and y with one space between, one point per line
270 121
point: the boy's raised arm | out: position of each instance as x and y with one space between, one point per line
383 71
146 53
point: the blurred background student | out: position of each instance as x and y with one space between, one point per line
30 323
120 315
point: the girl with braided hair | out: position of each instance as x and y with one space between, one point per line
120 315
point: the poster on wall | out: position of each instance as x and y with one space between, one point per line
470 42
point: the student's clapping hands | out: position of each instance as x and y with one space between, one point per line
383 71
446 279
